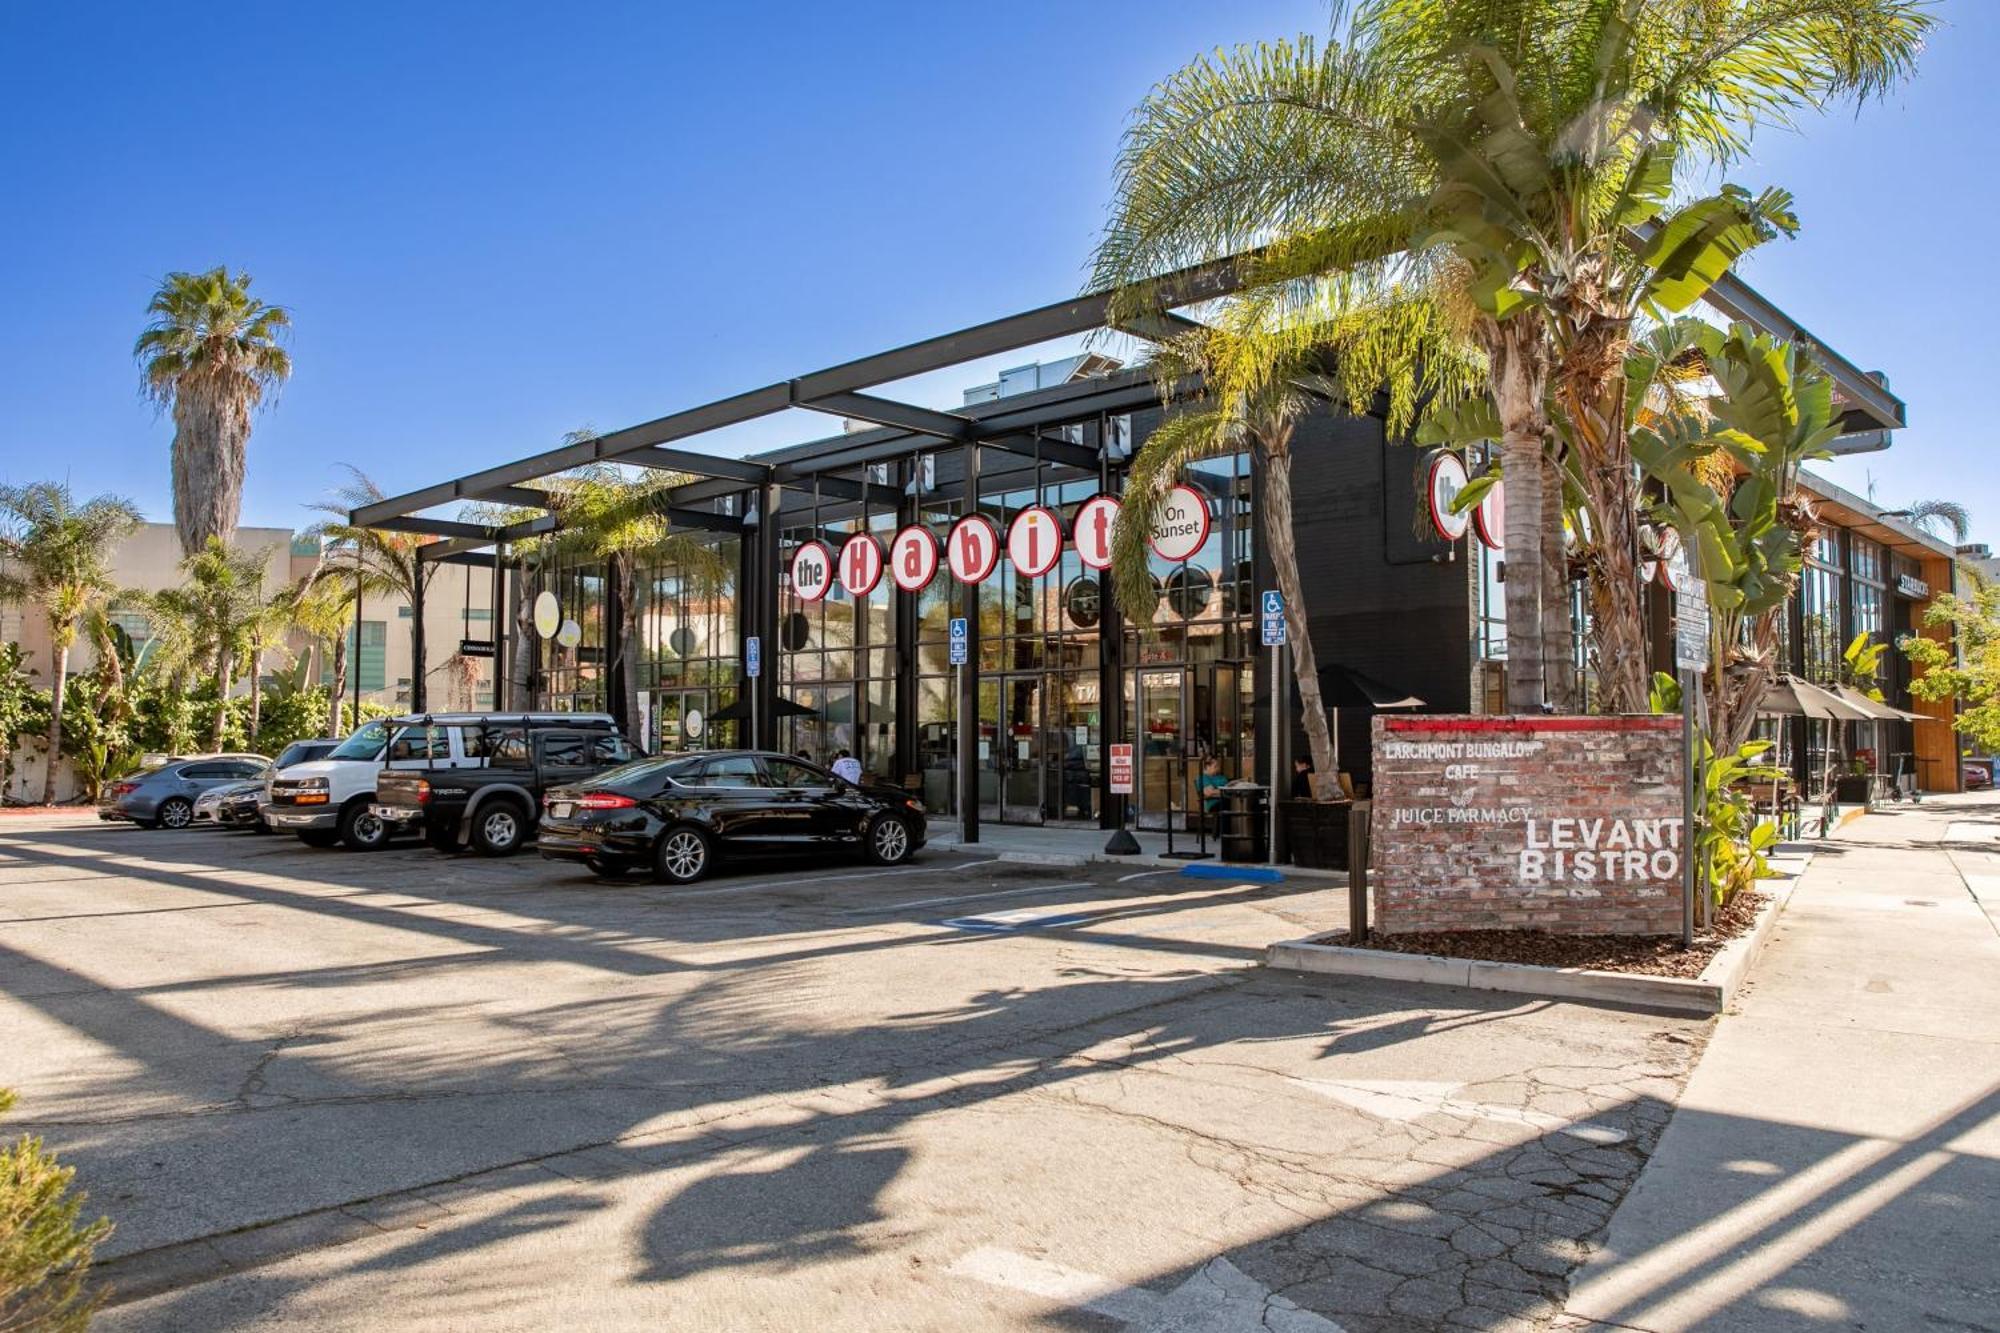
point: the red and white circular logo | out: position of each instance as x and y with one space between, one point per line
972 548
1183 524
1034 541
1446 480
1489 517
860 564
812 571
913 558
1095 518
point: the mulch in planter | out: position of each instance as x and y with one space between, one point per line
1654 955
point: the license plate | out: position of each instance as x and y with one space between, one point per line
561 809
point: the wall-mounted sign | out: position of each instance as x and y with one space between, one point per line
913 558
860 564
694 724
1489 517
1034 541
475 647
812 571
569 634
1083 602
1445 479
1183 524
972 548
548 614
1909 585
1095 519
681 641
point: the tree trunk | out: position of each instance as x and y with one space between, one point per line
58 683
1517 381
1280 539
520 657
339 689
256 692
1593 396
627 574
222 674
1558 624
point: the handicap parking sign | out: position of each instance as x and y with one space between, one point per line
1274 603
959 641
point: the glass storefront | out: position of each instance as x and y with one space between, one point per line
689 649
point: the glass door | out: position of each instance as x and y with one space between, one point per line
1011 749
1076 735
1159 712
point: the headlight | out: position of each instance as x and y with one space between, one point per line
314 784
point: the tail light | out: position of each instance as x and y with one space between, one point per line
423 792
124 788
604 800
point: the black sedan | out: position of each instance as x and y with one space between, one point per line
678 814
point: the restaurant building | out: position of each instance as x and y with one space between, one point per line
824 619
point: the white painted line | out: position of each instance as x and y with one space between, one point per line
800 881
1218 1298
1406 1099
1170 870
967 897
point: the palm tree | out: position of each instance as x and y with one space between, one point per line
217 618
1511 165
57 553
388 562
1940 516
210 354
321 605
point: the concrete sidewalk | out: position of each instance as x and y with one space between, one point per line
1835 1159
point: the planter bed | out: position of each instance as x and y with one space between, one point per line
1648 971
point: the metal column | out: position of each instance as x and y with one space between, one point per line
763 600
968 678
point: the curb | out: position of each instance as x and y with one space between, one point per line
1248 871
1706 995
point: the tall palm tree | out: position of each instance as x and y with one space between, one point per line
321 605
1512 163
57 553
217 618
388 563
210 354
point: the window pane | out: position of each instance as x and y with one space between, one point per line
735 771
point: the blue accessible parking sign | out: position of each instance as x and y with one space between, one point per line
959 641
1273 620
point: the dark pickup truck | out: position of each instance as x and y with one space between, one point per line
485 780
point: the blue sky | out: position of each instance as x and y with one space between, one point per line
497 222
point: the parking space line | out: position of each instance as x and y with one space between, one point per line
968 897
817 879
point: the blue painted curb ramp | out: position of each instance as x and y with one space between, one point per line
1241 874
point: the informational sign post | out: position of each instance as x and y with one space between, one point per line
959 641
753 667
1121 769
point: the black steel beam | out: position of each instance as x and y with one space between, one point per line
455 546
1045 448
435 527
517 495
889 412
703 520
831 488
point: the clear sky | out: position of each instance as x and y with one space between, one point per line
496 222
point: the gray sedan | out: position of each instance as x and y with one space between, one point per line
163 796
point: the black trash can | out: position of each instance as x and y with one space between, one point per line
1246 823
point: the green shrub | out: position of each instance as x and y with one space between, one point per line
44 1253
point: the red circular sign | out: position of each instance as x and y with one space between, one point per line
1489 517
860 564
1035 541
812 571
1096 518
1182 526
972 548
1445 480
913 558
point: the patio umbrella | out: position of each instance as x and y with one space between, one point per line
1875 708
740 710
1344 687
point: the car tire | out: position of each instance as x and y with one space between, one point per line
259 827
317 837
683 855
500 828
889 841
174 812
360 830
443 840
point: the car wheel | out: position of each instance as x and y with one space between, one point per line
889 841
318 837
360 830
684 855
443 839
175 812
499 829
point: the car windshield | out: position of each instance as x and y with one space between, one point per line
644 772
365 743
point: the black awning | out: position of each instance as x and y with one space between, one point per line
1344 687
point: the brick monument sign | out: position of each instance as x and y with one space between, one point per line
1567 824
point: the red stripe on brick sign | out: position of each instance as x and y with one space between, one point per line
1530 725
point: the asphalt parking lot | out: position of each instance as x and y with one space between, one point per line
323 1090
